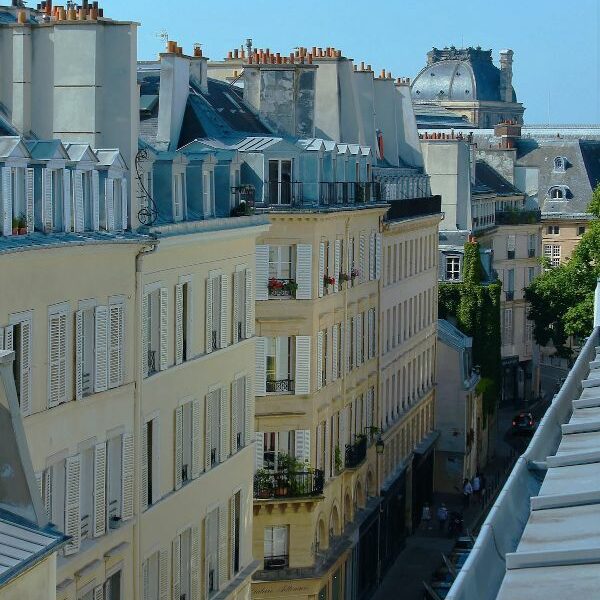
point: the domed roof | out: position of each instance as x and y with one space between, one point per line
459 75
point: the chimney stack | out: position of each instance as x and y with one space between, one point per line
506 61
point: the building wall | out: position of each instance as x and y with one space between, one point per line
558 247
37 583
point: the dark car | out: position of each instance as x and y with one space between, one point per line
523 423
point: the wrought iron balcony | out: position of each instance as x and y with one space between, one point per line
280 561
518 217
288 484
356 453
280 386
283 193
414 207
282 288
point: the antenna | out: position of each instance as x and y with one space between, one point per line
162 35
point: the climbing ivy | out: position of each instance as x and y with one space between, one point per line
475 308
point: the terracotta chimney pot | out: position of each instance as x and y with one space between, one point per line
93 14
310 58
22 17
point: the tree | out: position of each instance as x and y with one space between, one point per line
561 298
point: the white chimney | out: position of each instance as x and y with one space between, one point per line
172 100
506 61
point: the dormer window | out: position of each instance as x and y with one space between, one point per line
558 192
560 164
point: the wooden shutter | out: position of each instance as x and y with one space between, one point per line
164 321
145 332
232 517
25 366
30 199
47 217
100 489
178 451
237 276
304 272
224 324
342 433
259 449
47 491
115 345
302 384
144 467
9 337
370 333
224 425
95 200
79 355
179 325
249 299
101 348
78 197
260 380
361 258
127 474
347 348
72 511
124 204
223 545
378 256
209 315
163 574
319 448
334 351
176 567
196 439
7 201
195 563
248 410
236 398
371 256
327 468
262 272
337 247
321 276
208 430
99 593
319 360
57 367
109 203
146 581
302 445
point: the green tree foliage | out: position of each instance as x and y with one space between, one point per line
561 298
475 306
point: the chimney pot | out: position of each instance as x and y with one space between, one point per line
369 68
362 65
382 73
310 58
101 12
338 54
22 17
93 14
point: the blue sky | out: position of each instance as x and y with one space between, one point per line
556 42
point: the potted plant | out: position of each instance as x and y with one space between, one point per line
354 273
344 277
15 226
263 484
328 280
275 284
290 286
282 484
338 459
22 224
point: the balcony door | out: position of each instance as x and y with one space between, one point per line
279 364
280 181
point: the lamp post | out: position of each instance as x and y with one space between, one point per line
379 449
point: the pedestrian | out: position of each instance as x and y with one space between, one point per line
482 487
426 516
442 516
467 491
476 485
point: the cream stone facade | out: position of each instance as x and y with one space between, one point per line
560 236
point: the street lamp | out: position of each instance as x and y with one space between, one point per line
379 445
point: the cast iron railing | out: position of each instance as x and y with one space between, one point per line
356 453
281 386
288 484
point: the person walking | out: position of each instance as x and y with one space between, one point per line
467 491
482 487
442 516
476 485
426 516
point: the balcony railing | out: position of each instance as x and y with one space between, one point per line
280 386
282 288
518 217
283 193
510 295
281 561
288 484
414 207
356 453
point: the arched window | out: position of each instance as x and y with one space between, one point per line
558 192
560 164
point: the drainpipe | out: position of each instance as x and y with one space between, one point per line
151 248
597 304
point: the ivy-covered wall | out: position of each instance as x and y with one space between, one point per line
475 307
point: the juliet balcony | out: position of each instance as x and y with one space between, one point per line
356 453
288 484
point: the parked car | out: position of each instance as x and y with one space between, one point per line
523 423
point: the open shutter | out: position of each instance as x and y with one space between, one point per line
67 199
47 492
57 368
127 454
101 348
236 398
25 372
334 351
337 248
109 187
209 315
354 358
232 517
164 306
78 204
237 282
176 567
195 563
319 360
377 256
100 489
327 448
115 345
359 339
260 380
144 467
196 439
347 346
146 581
371 333
302 445
72 512
319 448
7 201
124 204
361 258
223 546
9 338
98 593
321 282
208 431
145 327
248 410
29 199
224 325
178 446
79 355
249 299
224 425
259 449
371 256
302 384
304 272
95 200
163 574
262 272
179 324
47 200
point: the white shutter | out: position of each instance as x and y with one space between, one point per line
144 467
208 431
249 325
9 338
248 410
163 574
209 315
337 248
361 258
101 348
237 276
302 445
127 473
109 203
360 359
79 355
72 512
377 256
354 343
334 351
302 384
224 325
319 448
145 327
67 199
224 425
57 368
179 324
347 348
259 449
115 345
178 452
47 219
196 439
223 546
319 360
232 517
98 593
236 398
371 256
304 272
164 306
262 272
321 283
176 567
260 380
146 581
327 449
195 564
370 333
29 199
342 433
100 489
124 204
95 200
2 338
47 496
78 197
7 201
25 372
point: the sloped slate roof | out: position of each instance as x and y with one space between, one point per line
488 177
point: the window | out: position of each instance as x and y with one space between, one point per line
280 262
324 357
553 230
452 268
558 192
532 245
276 547
560 164
241 292
185 562
86 502
154 331
217 291
510 284
118 467
236 511
508 326
213 428
530 274
238 413
150 485
580 230
340 349
552 252
184 443
178 196
151 576
211 544
208 192
17 337
112 587
276 443
280 355
279 186
511 241
183 329
57 358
